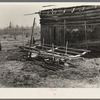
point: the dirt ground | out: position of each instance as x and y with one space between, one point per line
17 71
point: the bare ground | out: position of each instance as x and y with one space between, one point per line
17 71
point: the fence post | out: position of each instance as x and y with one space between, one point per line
53 51
66 46
86 36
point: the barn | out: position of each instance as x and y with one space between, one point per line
78 26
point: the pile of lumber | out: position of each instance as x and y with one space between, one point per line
55 51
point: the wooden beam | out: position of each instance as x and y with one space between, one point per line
48 45
72 18
68 10
66 46
43 44
88 13
64 30
86 36
68 52
31 40
73 23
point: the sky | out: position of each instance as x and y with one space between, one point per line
14 12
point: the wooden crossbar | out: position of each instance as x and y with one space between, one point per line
46 45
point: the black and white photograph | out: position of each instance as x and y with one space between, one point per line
49 45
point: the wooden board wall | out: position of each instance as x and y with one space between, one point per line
54 32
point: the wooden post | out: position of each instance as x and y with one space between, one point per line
52 11
0 46
66 46
43 44
86 36
31 41
53 51
50 36
64 31
22 38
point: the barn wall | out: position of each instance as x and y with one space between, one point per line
68 24
52 34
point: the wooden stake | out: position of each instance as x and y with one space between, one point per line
64 31
0 46
86 36
66 46
43 44
53 51
22 38
31 41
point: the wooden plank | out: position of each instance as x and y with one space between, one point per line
50 36
87 13
78 22
67 48
53 35
58 35
47 35
41 33
64 30
74 16
68 10
82 17
55 54
86 36
69 52
31 40
87 7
